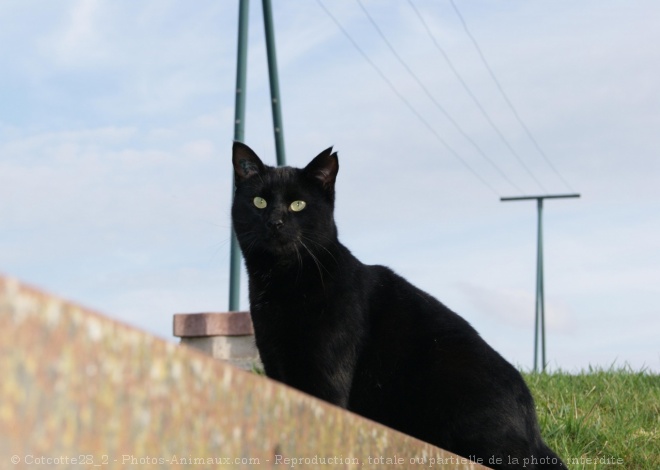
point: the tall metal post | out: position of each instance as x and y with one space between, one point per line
239 134
539 313
239 120
540 302
274 83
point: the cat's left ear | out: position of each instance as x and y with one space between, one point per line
246 162
324 168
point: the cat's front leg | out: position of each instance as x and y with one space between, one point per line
331 384
317 370
272 368
268 354
310 369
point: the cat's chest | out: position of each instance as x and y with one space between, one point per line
291 312
297 308
290 291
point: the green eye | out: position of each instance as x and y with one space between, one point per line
260 202
297 206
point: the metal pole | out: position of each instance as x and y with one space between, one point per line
239 134
540 304
536 305
539 318
274 83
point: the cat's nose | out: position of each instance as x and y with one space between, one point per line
275 224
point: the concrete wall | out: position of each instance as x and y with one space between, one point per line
78 390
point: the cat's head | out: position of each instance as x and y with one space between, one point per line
284 212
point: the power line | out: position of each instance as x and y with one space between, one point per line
505 96
403 98
473 96
436 103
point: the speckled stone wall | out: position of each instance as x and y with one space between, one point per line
80 391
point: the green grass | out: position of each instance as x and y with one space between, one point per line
599 419
599 415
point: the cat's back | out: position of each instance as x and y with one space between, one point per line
408 329
393 302
411 334
419 354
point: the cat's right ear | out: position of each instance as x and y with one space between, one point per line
246 162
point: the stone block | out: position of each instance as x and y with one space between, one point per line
227 336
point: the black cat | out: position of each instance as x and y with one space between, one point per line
363 337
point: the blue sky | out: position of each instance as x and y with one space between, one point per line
116 123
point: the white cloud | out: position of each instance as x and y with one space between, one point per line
515 307
79 40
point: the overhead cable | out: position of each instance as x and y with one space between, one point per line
435 101
403 98
506 97
469 91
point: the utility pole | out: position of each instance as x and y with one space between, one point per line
239 120
274 83
539 318
239 134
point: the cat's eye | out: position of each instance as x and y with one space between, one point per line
259 202
297 206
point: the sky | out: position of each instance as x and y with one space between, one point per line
117 119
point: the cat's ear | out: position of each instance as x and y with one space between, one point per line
246 162
324 168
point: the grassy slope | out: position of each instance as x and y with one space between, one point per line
598 415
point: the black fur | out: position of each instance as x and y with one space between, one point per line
363 337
